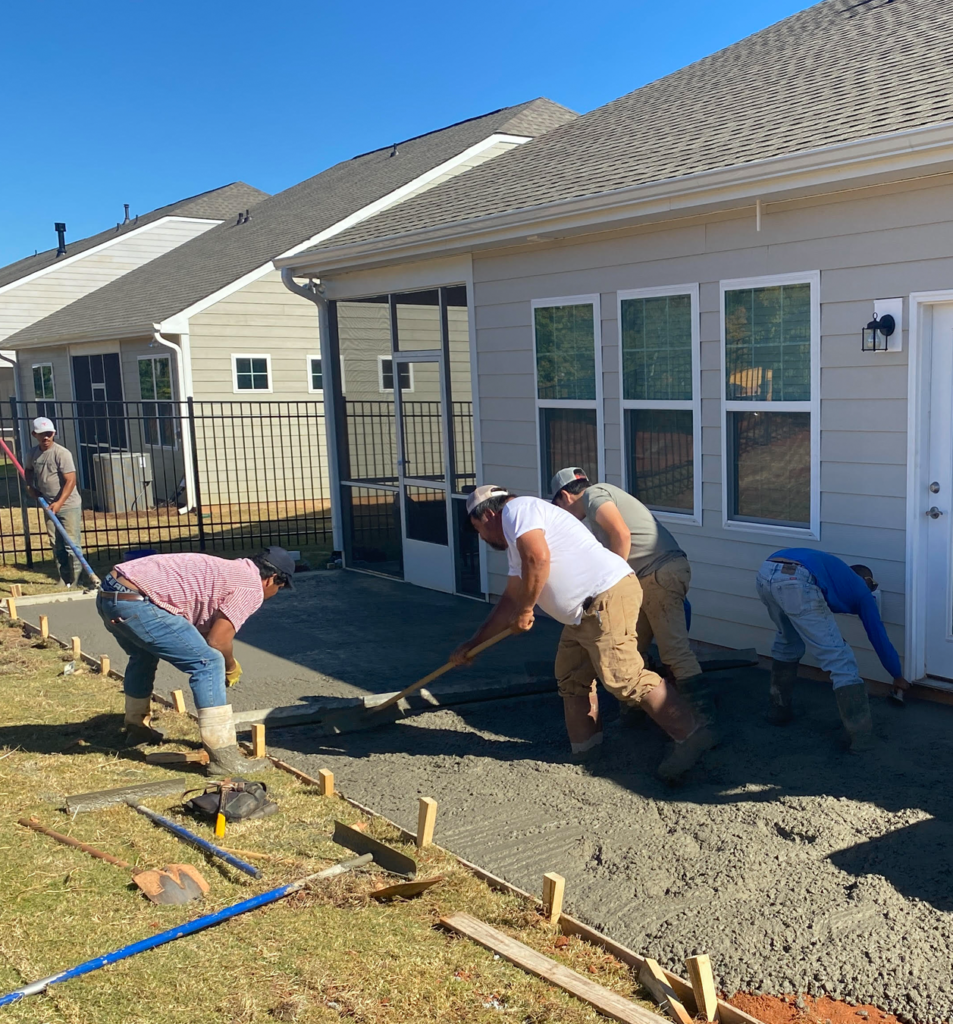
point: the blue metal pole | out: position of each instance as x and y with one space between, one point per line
190 837
181 930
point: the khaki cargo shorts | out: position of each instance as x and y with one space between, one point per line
605 646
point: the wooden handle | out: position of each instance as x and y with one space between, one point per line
69 841
471 654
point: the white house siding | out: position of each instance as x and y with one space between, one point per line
22 304
867 244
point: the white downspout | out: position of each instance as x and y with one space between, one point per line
185 391
18 394
314 292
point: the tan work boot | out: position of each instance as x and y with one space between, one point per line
783 678
137 724
217 729
854 707
685 753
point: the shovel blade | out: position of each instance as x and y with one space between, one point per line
334 723
177 883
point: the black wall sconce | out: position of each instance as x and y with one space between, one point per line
873 338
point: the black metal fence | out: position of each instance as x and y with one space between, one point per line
169 476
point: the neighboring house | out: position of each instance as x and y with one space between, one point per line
671 292
234 331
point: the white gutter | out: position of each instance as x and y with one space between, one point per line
314 292
185 392
895 154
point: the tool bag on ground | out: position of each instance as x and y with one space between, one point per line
243 800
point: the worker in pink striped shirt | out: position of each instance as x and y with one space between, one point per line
186 609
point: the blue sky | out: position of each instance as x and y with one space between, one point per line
103 102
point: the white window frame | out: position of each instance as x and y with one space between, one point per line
569 403
811 532
236 390
176 421
307 364
36 366
394 369
693 518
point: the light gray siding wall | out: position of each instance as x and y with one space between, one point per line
24 304
870 244
58 356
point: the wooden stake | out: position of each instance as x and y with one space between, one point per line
703 985
326 782
554 886
258 740
12 609
426 819
77 648
610 1004
178 701
652 979
104 664
16 590
45 626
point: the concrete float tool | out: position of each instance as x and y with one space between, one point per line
183 929
370 715
173 884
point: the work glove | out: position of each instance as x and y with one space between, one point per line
233 675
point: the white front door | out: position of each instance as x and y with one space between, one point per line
936 497
422 471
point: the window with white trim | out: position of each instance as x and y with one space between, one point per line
251 373
567 350
658 332
155 392
43 390
315 375
770 380
385 374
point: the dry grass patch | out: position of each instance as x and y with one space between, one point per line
331 953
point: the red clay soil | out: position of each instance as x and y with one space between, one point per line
784 1010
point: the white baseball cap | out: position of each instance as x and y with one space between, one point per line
42 425
478 496
566 476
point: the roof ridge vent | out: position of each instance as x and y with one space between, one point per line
856 7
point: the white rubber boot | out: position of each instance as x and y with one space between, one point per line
217 729
137 723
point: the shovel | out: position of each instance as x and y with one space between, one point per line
369 716
176 883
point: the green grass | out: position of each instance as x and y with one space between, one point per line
328 954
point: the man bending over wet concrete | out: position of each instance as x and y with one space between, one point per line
621 523
555 562
802 589
186 609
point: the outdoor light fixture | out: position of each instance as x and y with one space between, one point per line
873 338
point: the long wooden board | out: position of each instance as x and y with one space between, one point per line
608 1003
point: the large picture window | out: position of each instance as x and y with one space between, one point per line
658 332
770 377
155 391
566 343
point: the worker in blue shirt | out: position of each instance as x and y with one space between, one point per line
802 589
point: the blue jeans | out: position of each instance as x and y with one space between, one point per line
149 634
804 620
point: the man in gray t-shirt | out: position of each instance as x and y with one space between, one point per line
51 474
623 524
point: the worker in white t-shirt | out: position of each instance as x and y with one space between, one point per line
555 562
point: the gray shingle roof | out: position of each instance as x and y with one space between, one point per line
839 71
199 268
216 204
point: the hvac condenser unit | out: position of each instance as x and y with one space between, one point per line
123 481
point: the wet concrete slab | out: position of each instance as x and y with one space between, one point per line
338 634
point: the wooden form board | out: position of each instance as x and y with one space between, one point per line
607 1002
653 980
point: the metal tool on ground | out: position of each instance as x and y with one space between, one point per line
175 883
190 837
102 798
370 715
184 929
60 529
389 859
405 890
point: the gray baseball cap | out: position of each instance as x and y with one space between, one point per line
566 476
283 564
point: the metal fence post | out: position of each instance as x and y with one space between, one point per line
195 470
24 508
